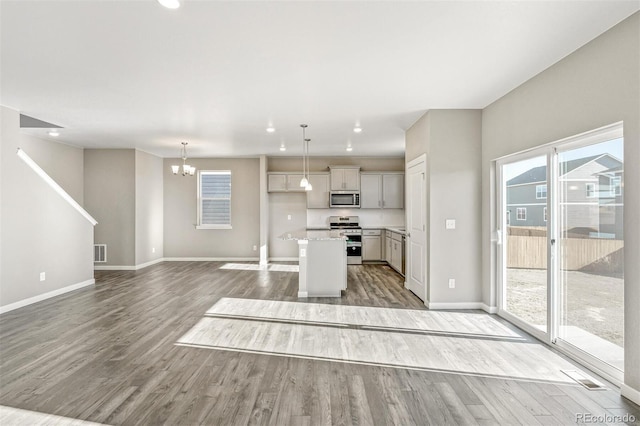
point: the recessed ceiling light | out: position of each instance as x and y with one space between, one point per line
54 133
170 4
357 129
271 129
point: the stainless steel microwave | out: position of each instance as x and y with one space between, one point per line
344 199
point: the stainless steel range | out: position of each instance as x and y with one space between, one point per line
350 226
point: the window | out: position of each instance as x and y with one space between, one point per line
541 192
521 213
615 185
544 213
591 190
214 199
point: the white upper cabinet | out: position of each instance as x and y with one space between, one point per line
382 191
345 178
284 182
370 191
318 197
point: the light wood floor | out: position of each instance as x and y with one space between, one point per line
108 355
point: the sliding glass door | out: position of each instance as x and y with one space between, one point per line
525 240
591 250
560 234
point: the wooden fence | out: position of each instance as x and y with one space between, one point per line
575 253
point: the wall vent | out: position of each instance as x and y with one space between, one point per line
100 253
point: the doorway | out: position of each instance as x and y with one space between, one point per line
416 238
561 273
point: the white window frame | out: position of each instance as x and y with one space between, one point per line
200 225
594 190
519 210
539 192
615 190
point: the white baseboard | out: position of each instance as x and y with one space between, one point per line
151 262
44 296
455 306
211 259
284 259
630 393
489 309
114 268
303 294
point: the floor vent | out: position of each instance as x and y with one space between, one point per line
100 253
586 381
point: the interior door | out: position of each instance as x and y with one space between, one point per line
416 241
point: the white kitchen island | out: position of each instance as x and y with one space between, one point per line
322 262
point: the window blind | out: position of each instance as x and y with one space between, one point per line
215 197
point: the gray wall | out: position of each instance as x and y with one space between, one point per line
40 231
595 86
109 196
182 239
451 140
149 197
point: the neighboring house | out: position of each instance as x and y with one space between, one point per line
591 195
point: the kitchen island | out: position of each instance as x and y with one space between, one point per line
322 262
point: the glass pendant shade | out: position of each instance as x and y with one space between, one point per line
175 169
309 187
304 182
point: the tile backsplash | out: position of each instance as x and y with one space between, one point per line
368 217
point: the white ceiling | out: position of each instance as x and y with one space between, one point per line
132 74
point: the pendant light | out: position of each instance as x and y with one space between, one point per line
187 170
304 182
309 187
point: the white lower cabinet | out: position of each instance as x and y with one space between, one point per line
372 244
388 245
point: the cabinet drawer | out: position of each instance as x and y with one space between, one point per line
395 236
370 232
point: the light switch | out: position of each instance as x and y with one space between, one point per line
450 224
288 217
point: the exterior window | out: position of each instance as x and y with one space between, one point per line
214 199
591 190
544 213
615 185
521 213
541 192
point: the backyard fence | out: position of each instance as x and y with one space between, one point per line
575 253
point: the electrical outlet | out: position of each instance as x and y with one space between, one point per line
255 248
288 217
450 224
452 283
43 276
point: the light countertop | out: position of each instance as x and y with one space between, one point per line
397 228
313 235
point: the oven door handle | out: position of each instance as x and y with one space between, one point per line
354 244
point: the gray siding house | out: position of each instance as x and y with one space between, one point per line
591 194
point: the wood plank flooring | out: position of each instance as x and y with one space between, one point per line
107 354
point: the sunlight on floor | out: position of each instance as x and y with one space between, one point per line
255 267
451 342
17 416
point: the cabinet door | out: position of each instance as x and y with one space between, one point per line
337 179
388 248
393 191
371 247
318 197
370 191
277 183
351 179
293 183
396 255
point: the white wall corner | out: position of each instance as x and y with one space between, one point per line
630 393
489 309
